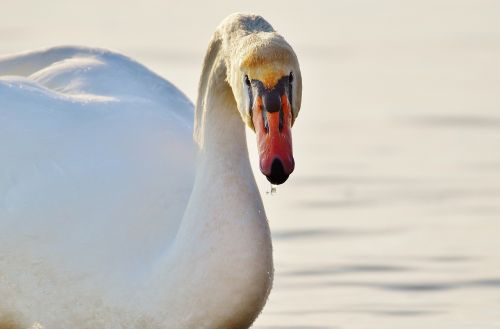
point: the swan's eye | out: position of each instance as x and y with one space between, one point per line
290 77
247 80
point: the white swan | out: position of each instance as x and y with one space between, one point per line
108 218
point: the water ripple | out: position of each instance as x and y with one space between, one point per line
328 233
348 269
457 121
419 287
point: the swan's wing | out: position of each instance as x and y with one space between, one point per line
96 158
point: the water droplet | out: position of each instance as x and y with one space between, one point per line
273 190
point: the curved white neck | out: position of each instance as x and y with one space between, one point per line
222 254
219 129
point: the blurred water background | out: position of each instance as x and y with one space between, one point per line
392 217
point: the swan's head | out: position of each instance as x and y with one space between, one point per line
267 86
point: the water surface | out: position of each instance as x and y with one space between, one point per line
392 217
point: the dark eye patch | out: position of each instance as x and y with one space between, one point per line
247 81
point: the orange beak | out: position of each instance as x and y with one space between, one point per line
272 119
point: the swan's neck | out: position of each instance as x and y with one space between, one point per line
222 147
222 254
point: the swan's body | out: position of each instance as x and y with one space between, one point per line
108 218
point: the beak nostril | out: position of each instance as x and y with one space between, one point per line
281 120
266 121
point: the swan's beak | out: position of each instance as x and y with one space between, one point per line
272 119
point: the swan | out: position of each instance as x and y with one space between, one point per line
122 205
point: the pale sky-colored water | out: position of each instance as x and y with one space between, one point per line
392 218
